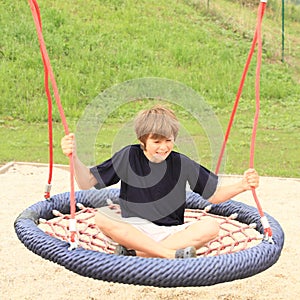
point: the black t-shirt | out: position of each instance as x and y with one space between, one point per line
154 191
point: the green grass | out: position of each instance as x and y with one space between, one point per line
95 46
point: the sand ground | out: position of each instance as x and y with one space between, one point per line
25 275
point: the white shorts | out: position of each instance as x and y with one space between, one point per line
156 232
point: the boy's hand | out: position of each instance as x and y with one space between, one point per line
250 180
68 144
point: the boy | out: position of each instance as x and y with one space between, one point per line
153 190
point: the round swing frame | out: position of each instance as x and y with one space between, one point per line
201 271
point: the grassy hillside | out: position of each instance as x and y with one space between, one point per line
95 45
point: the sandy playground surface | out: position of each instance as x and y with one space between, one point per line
25 275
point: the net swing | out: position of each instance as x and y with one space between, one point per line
62 230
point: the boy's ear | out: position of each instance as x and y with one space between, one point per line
142 146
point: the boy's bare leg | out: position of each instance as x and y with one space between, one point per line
197 235
131 238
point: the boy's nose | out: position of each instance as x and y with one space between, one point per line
163 145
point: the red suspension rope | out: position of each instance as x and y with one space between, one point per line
256 40
261 10
49 73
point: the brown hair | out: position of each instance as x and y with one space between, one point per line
158 121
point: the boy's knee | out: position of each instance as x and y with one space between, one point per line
103 222
212 228
107 222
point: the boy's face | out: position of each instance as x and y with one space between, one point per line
158 149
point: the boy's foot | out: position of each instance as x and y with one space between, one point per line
121 250
188 252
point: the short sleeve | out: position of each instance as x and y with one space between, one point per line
201 180
110 171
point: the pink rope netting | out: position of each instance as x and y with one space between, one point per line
234 236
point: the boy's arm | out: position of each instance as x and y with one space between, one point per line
84 178
224 193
